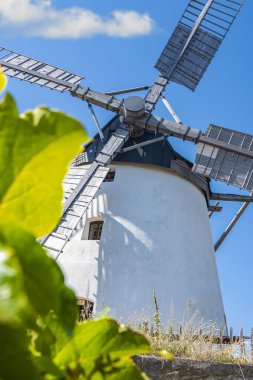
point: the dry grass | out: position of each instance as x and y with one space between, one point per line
196 343
193 339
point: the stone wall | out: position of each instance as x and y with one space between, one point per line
160 369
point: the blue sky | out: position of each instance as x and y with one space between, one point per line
115 45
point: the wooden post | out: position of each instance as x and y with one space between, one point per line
221 337
242 344
211 334
241 334
231 338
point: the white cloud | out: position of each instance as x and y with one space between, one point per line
39 18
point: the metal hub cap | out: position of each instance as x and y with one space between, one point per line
134 106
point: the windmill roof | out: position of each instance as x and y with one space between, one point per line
159 153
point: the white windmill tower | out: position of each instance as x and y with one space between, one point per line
135 216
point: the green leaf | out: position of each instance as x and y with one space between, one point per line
14 304
121 370
51 336
15 360
46 366
128 371
164 354
3 81
35 150
8 106
101 345
31 283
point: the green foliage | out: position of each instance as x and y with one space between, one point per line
35 149
102 347
39 335
164 354
33 281
3 80
102 337
15 361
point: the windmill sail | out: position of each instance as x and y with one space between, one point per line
196 39
225 166
34 71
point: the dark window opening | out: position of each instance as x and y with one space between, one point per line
85 309
95 230
110 176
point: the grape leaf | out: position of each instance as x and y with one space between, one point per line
35 150
31 283
103 347
15 362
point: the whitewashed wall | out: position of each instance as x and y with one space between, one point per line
156 237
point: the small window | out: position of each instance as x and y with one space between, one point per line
95 230
85 309
110 176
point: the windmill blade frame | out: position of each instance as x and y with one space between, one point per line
193 44
196 40
84 192
22 67
229 167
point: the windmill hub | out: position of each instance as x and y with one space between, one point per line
134 107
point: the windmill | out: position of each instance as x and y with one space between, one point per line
149 229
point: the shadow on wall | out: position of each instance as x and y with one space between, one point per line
130 272
122 283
